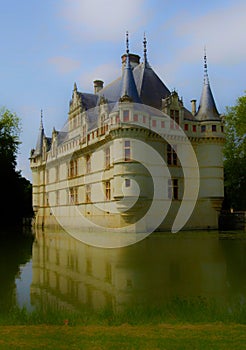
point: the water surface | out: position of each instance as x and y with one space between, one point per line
56 269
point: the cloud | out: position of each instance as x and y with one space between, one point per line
222 31
64 65
106 72
103 20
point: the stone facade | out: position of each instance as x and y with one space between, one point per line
92 166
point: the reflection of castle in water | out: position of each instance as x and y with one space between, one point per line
70 274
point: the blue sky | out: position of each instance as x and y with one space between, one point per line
48 45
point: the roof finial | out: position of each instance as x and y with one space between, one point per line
127 43
206 81
145 48
41 120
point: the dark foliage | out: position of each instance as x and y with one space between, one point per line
235 155
16 191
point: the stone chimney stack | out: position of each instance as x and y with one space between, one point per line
98 85
134 60
193 107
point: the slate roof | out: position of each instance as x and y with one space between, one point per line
150 87
39 144
88 100
128 85
207 109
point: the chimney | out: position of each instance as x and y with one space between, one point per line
98 85
193 107
134 60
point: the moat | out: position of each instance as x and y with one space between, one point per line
52 268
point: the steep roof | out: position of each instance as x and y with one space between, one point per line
39 144
88 100
150 87
127 84
151 90
140 83
207 109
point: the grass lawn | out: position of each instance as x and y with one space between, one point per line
161 336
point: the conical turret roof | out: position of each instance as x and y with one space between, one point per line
39 144
207 109
128 85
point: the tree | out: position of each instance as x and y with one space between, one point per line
15 199
9 137
235 155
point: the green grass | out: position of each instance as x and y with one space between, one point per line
179 324
177 311
163 336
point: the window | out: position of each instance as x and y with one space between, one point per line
73 195
135 118
88 163
57 173
127 182
203 128
83 133
88 193
107 190
74 123
57 197
214 129
127 150
172 158
75 165
107 157
154 123
173 188
144 119
102 119
222 128
126 116
194 128
186 127
162 124
73 168
47 176
174 114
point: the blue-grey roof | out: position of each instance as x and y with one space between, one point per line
150 87
112 91
88 100
151 90
39 144
92 118
207 109
128 85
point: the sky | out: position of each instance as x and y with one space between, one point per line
48 45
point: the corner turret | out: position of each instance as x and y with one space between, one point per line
207 109
128 86
39 144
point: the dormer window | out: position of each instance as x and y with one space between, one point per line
174 114
125 116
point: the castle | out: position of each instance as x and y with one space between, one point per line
104 165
